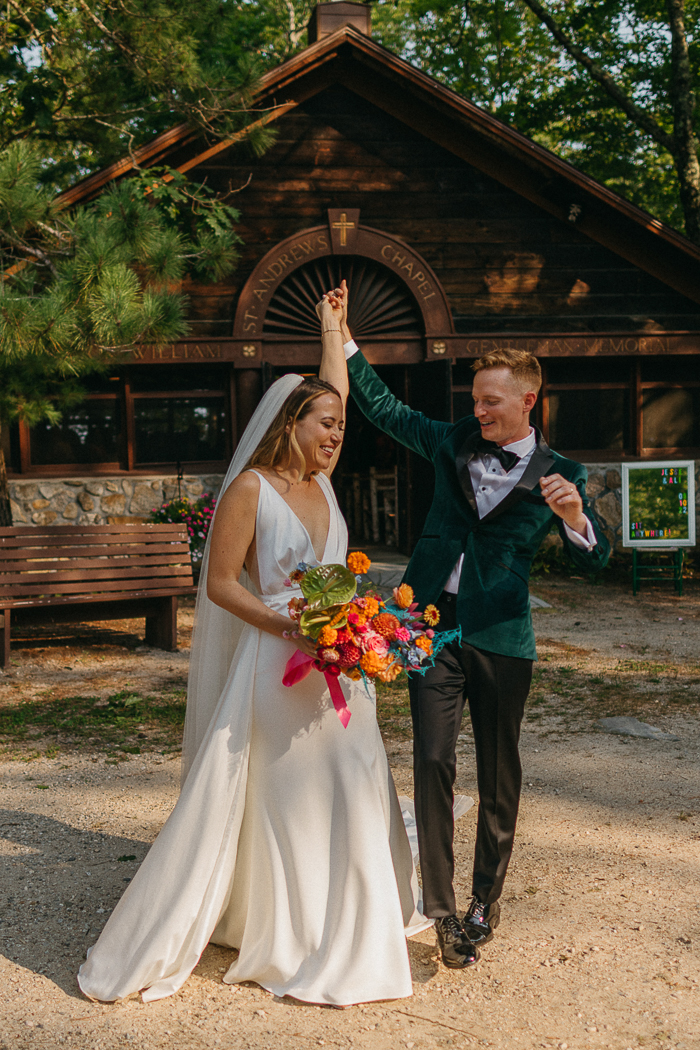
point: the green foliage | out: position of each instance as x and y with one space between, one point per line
496 53
92 80
80 287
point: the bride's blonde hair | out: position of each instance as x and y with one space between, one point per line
277 447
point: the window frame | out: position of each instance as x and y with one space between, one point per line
128 463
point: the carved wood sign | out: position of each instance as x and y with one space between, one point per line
342 235
198 350
608 344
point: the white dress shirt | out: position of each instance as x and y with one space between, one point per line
492 483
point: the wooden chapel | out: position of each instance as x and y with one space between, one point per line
456 234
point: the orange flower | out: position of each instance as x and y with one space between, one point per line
431 615
358 563
393 671
338 616
385 624
371 607
327 636
403 595
352 672
425 644
372 664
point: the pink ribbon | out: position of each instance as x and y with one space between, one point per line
301 664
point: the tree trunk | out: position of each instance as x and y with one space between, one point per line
5 508
683 99
683 144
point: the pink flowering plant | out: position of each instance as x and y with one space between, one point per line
195 514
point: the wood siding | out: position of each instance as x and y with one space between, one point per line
506 265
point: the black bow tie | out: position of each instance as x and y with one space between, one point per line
490 448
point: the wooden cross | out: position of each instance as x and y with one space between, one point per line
343 226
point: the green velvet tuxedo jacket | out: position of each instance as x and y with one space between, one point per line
493 604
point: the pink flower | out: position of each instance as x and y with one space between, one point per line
374 642
402 635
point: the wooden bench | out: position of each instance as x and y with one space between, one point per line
96 572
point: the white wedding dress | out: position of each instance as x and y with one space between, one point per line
287 841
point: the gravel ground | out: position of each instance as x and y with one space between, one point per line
598 946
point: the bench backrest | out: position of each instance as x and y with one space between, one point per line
44 564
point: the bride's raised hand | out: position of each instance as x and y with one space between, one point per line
339 296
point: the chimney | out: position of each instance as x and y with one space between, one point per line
328 18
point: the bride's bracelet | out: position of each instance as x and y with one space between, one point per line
325 331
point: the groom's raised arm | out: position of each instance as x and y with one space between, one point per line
342 360
374 399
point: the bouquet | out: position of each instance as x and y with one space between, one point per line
357 633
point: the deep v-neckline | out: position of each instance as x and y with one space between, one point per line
301 523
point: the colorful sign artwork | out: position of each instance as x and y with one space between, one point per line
659 504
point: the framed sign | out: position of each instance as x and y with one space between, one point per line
658 504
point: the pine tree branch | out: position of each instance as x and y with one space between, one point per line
114 37
636 114
35 253
60 235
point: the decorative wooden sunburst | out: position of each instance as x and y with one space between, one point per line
380 303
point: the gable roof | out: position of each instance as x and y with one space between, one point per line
459 126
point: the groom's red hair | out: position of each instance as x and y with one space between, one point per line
524 367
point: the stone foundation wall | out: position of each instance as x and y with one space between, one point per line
605 493
100 501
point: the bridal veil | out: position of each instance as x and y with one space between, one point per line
217 632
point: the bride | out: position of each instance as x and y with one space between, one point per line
287 842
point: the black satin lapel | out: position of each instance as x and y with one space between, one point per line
462 460
540 462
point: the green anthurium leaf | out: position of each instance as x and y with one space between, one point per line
313 620
328 585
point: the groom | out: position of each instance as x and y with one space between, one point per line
498 489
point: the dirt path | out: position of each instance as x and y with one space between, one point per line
598 947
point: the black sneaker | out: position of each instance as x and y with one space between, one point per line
456 948
481 920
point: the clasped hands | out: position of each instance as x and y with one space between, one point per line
333 310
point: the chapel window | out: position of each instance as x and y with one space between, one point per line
139 418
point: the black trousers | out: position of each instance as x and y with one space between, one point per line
496 689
